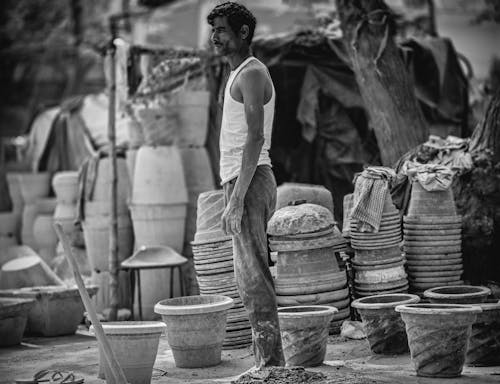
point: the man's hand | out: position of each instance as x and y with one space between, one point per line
231 218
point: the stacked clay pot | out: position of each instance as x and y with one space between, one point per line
213 261
306 238
378 262
432 239
17 201
484 342
43 229
96 230
33 186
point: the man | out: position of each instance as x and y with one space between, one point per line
245 170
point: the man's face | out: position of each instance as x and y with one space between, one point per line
223 38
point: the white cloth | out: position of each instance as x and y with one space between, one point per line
432 177
234 129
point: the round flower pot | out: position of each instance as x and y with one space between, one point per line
196 327
438 336
304 333
383 325
457 294
484 342
13 318
135 345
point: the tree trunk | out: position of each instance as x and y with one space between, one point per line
386 87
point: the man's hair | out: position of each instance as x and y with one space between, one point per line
237 16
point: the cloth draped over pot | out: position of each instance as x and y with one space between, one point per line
370 192
432 177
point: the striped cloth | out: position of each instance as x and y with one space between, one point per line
370 191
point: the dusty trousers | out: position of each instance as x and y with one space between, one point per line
251 268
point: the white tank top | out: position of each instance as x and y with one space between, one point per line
234 130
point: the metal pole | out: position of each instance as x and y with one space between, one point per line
113 224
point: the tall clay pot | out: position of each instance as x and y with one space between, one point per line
135 345
196 326
438 336
304 333
383 325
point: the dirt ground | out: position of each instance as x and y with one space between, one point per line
346 362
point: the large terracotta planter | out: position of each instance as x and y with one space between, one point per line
484 342
196 326
457 294
135 345
438 336
304 334
383 325
13 318
57 310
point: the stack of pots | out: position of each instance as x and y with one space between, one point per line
96 230
378 262
307 273
484 341
432 239
43 229
33 186
213 261
158 208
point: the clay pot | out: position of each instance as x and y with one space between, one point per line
383 325
8 224
57 310
484 342
297 284
131 160
195 328
65 185
434 203
300 219
192 117
314 194
438 336
383 273
13 318
461 294
159 176
304 334
378 256
320 298
29 216
103 181
34 186
135 345
45 236
102 280
15 192
27 271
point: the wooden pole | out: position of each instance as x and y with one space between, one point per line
116 370
113 224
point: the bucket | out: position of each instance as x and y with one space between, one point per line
196 327
383 325
304 334
135 345
192 117
438 336
159 176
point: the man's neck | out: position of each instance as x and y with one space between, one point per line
235 59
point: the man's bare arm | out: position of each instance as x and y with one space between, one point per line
252 84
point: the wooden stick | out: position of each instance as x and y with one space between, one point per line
116 370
